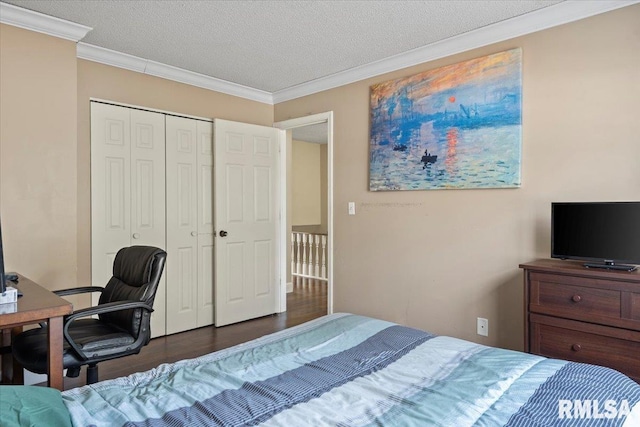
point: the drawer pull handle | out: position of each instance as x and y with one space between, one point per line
576 298
576 347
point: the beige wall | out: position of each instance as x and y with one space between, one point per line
128 87
305 158
314 185
439 259
38 144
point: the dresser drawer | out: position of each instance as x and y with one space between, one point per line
566 297
586 343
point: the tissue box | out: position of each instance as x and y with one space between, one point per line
10 296
8 308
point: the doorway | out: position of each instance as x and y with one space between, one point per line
316 129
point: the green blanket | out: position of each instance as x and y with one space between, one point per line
32 406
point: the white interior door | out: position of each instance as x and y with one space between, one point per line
246 206
182 224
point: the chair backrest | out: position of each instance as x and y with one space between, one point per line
136 275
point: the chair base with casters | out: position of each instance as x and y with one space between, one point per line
122 327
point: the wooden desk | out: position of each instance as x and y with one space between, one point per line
37 305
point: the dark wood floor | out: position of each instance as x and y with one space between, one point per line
307 301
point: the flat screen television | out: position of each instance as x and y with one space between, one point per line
3 285
606 234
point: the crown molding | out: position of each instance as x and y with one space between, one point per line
110 57
558 14
189 77
157 69
35 21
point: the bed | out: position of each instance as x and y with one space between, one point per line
349 370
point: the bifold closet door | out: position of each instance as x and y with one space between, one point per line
206 254
127 190
189 224
148 210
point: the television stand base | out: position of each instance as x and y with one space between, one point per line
608 266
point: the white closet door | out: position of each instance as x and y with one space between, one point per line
205 223
148 196
182 224
110 188
246 220
127 190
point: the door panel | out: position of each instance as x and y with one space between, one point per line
182 224
115 179
110 188
127 191
143 172
148 196
264 269
235 189
263 197
205 243
205 280
184 284
235 284
246 208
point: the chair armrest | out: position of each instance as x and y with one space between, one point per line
107 308
100 309
80 290
73 291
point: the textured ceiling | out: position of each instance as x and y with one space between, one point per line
313 133
274 45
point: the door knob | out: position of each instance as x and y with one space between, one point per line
136 235
194 233
223 233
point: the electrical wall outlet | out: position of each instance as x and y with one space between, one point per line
483 327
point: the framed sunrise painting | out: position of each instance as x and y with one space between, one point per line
458 126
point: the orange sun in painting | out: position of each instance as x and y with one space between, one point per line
452 99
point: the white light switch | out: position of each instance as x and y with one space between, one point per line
352 208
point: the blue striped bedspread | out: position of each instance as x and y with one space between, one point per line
348 370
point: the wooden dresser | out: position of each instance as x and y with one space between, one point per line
583 314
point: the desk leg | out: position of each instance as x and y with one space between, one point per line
55 353
6 356
17 370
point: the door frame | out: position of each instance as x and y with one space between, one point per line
288 125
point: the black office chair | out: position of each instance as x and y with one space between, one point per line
122 327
